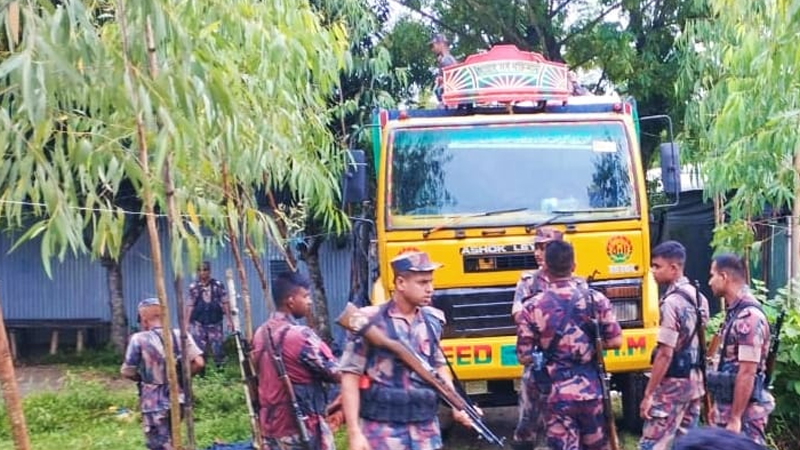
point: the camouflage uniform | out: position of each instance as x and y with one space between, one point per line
381 370
207 328
676 401
744 336
310 365
145 353
573 410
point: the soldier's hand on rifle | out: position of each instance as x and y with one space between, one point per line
463 418
358 442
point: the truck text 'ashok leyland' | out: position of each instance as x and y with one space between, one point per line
469 184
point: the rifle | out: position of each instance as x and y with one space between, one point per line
613 439
249 378
775 342
280 368
355 321
701 348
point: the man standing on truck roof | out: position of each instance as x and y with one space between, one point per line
441 48
556 336
529 426
671 402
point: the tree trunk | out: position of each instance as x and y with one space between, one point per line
310 254
116 301
11 397
232 205
262 276
150 218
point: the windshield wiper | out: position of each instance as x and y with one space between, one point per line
559 213
591 210
556 215
457 220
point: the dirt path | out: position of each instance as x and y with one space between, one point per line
42 378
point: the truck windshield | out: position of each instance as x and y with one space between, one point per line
528 171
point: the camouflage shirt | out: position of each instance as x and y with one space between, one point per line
356 359
145 354
309 363
678 321
571 366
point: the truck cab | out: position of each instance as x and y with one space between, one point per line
470 183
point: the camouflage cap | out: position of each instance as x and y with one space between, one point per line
413 262
152 301
547 234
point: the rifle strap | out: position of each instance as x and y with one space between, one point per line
696 305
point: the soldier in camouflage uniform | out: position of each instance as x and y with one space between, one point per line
206 306
671 402
309 363
529 425
386 405
741 359
145 364
555 336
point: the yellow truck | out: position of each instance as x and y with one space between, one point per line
470 183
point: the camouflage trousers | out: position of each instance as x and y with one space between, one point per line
209 335
578 425
754 419
319 433
669 419
530 425
156 427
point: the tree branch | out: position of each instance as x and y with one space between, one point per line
558 9
590 24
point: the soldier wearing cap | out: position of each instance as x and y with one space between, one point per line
556 339
441 48
386 405
529 425
145 363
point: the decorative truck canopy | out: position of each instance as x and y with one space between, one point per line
504 74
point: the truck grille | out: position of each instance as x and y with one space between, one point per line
476 312
494 263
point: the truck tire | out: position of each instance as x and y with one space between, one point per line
632 386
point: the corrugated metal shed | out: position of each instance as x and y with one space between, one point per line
79 289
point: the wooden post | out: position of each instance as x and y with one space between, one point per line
11 397
54 341
79 341
12 335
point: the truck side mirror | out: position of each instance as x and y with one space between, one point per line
354 179
670 168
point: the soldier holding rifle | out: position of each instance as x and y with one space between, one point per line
671 403
293 366
387 404
558 333
738 373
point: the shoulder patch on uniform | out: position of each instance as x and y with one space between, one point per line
435 312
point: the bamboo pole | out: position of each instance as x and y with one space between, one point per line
11 397
150 220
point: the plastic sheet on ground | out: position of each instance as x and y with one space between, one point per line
234 446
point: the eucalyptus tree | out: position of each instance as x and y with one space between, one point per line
165 94
741 71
